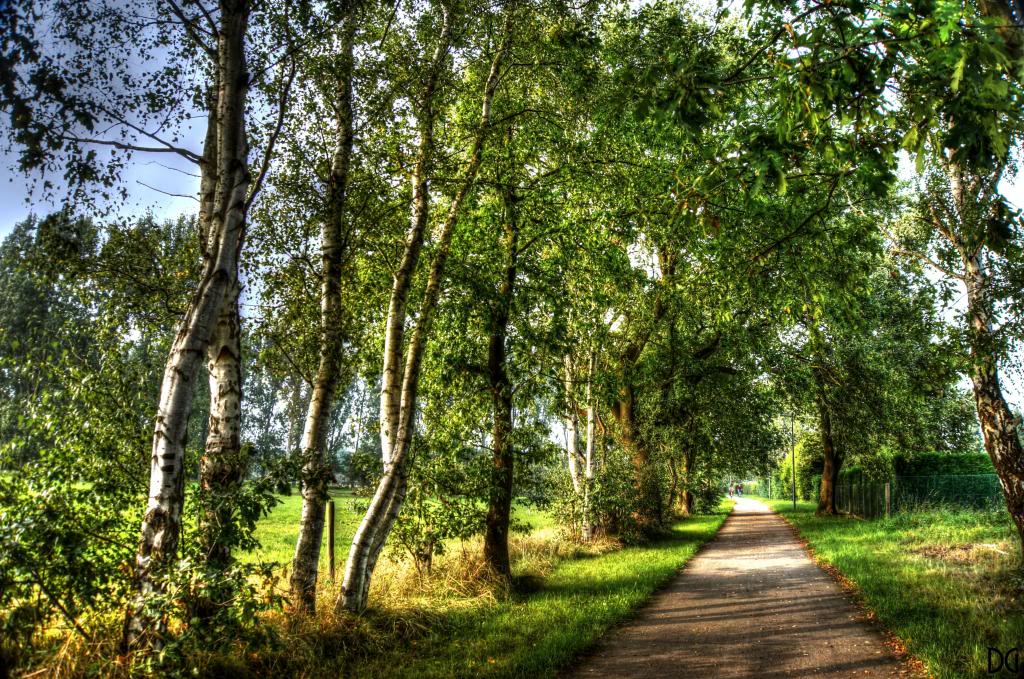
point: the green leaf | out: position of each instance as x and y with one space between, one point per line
958 73
910 139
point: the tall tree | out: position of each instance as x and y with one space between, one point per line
224 188
334 239
400 382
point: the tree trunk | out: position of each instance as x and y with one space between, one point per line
649 501
225 177
833 460
396 385
572 426
674 486
686 500
222 467
500 500
645 478
999 427
588 473
316 468
400 384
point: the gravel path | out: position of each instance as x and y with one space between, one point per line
750 604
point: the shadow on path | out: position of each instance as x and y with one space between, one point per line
750 604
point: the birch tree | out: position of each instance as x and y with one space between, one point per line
88 61
225 184
402 364
334 239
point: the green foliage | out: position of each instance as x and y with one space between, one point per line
925 464
72 493
808 470
443 503
708 496
929 464
682 222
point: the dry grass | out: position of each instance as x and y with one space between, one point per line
966 553
458 619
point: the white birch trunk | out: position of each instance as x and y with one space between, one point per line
221 468
572 428
226 176
316 471
400 383
588 470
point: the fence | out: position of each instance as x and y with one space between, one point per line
867 498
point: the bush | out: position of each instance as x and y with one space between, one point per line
707 495
943 464
615 503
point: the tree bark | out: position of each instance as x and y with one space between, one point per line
400 384
589 459
999 427
971 197
334 232
687 498
649 500
572 426
831 452
645 478
222 466
500 499
224 184
674 486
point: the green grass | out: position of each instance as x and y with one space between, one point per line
278 531
536 634
944 581
566 597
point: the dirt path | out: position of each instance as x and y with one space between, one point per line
750 604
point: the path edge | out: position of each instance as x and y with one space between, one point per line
593 648
893 641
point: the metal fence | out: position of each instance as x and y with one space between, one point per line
869 498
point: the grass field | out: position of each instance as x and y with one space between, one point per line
946 582
562 604
278 531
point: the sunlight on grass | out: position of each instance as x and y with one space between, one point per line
534 635
278 530
565 596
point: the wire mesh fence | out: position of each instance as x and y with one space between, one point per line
868 498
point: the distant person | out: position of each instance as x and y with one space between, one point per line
739 490
730 490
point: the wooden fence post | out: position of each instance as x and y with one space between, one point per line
330 538
887 495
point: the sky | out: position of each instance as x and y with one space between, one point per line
145 179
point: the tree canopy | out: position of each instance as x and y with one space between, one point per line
461 255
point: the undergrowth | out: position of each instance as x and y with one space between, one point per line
458 620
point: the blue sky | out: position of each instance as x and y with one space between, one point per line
163 172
